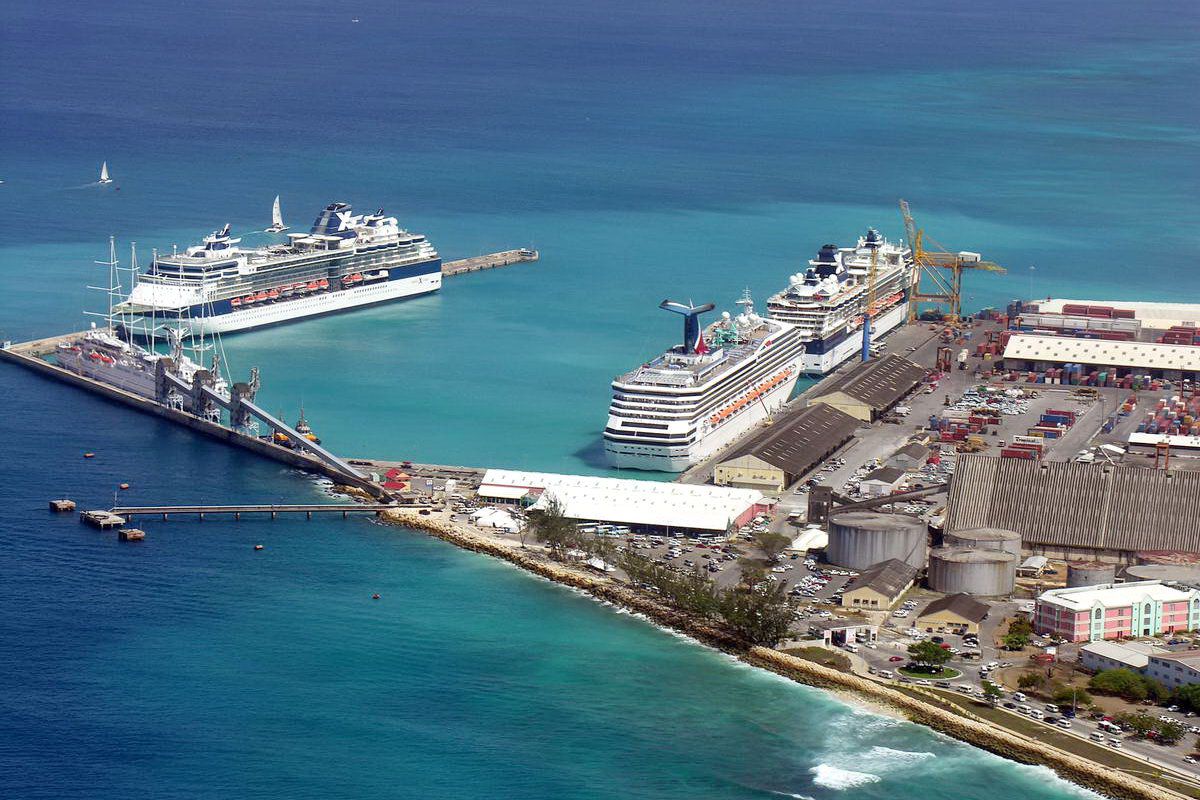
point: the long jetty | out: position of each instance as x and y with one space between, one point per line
489 261
345 509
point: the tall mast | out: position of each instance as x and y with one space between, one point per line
113 289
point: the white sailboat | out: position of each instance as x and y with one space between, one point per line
104 174
277 225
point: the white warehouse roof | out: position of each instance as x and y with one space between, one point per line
1154 315
1135 654
629 502
1103 353
1151 439
1120 595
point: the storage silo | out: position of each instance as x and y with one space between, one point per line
1089 573
986 539
860 539
1181 573
987 573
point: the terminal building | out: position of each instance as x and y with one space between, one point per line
1071 511
644 506
1116 611
959 613
1038 353
779 455
871 389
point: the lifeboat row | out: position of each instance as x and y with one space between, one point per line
758 391
280 293
95 355
364 277
881 305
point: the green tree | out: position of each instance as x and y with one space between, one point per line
771 544
1031 680
1119 682
756 610
1015 641
1188 696
1070 696
1170 732
1021 625
991 692
1155 690
928 655
1139 723
550 527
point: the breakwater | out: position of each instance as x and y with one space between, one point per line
934 712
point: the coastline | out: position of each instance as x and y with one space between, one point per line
934 713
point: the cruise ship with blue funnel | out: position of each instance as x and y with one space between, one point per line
344 261
828 301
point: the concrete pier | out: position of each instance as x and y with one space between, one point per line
489 261
129 512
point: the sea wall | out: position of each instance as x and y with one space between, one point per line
934 713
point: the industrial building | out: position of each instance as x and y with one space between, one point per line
963 570
1115 611
861 539
650 506
881 481
1186 574
1078 511
1090 573
872 388
1101 655
779 455
836 632
911 456
1174 669
1033 567
1038 353
1159 316
879 587
958 613
1181 446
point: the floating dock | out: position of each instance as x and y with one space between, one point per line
62 506
103 520
489 261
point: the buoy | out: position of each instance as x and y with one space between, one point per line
89 455
375 597
124 485
258 547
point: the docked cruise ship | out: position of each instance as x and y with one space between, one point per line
701 395
826 301
345 261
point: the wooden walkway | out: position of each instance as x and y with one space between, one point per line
490 261
129 512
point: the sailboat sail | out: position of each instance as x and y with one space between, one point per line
276 215
104 173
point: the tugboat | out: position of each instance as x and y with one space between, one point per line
302 428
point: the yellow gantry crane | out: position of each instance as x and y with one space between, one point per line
930 284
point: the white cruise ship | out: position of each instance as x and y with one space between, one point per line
827 300
345 261
697 397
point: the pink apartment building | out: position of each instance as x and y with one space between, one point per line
1116 611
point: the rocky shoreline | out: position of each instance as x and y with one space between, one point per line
933 713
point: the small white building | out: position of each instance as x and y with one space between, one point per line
882 481
1101 655
1033 566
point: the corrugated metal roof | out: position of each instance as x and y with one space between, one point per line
889 475
889 578
1154 315
879 382
1077 505
1104 353
797 445
964 605
631 502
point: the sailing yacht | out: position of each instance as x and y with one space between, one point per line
277 225
104 179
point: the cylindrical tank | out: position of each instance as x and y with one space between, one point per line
860 539
1089 573
987 573
986 539
1183 573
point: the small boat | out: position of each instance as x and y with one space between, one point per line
272 294
356 277
104 179
235 302
124 486
375 596
258 298
89 455
258 547
277 225
323 284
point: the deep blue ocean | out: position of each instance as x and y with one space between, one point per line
649 150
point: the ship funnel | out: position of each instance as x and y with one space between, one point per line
692 343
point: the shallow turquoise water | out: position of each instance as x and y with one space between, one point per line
649 151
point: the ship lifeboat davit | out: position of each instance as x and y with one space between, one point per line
323 284
236 302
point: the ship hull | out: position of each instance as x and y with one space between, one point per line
658 458
222 317
825 355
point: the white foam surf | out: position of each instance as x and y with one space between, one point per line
832 777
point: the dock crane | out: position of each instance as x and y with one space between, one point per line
930 284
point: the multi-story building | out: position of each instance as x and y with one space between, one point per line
1174 669
1116 611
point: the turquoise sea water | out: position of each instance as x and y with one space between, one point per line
680 150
